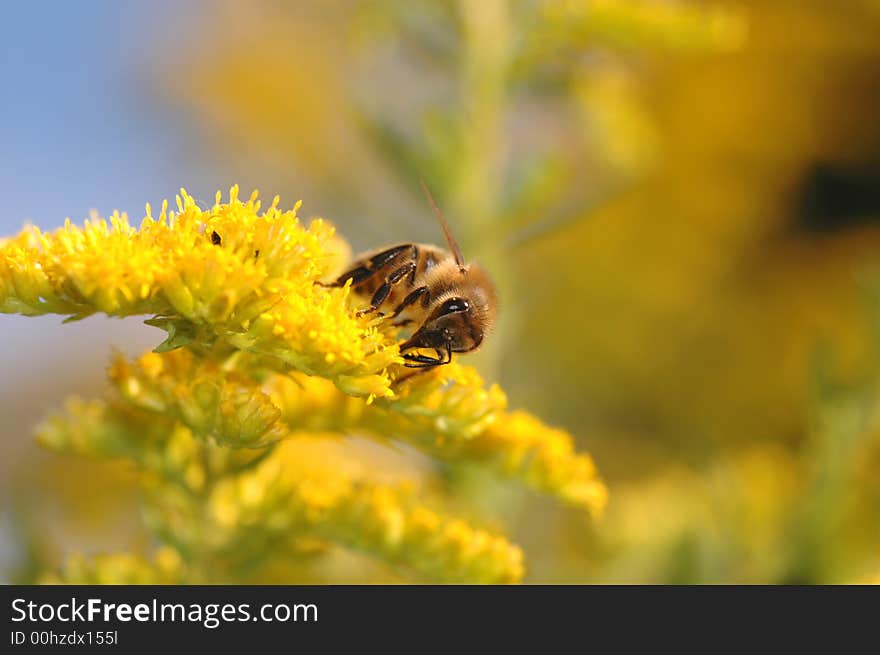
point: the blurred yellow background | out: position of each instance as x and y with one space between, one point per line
678 199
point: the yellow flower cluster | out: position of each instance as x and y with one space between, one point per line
232 273
447 414
307 490
221 508
222 404
230 420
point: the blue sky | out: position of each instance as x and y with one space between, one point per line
78 127
81 129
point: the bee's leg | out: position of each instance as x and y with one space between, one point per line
421 292
356 275
423 361
382 292
369 267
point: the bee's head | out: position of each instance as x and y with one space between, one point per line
452 325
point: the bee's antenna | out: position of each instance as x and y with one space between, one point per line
453 244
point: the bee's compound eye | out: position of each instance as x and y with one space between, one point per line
453 305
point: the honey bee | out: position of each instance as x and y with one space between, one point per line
450 303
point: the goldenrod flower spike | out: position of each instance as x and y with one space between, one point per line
160 447
223 405
448 414
229 420
233 272
521 446
295 492
451 416
306 493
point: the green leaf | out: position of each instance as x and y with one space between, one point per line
180 333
